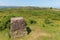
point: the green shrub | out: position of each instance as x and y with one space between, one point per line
47 21
5 22
32 21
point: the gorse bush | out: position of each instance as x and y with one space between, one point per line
32 21
5 22
47 21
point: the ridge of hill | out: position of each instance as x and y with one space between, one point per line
43 22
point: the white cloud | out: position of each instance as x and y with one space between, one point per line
1 3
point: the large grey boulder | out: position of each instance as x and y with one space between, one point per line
18 27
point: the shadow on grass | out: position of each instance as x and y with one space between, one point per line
28 30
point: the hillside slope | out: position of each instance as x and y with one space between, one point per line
43 22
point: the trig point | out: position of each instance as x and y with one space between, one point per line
18 27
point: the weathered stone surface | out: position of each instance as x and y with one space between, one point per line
18 27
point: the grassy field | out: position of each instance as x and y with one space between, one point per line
43 22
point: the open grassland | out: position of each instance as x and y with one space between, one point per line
44 23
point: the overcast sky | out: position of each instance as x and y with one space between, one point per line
40 3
